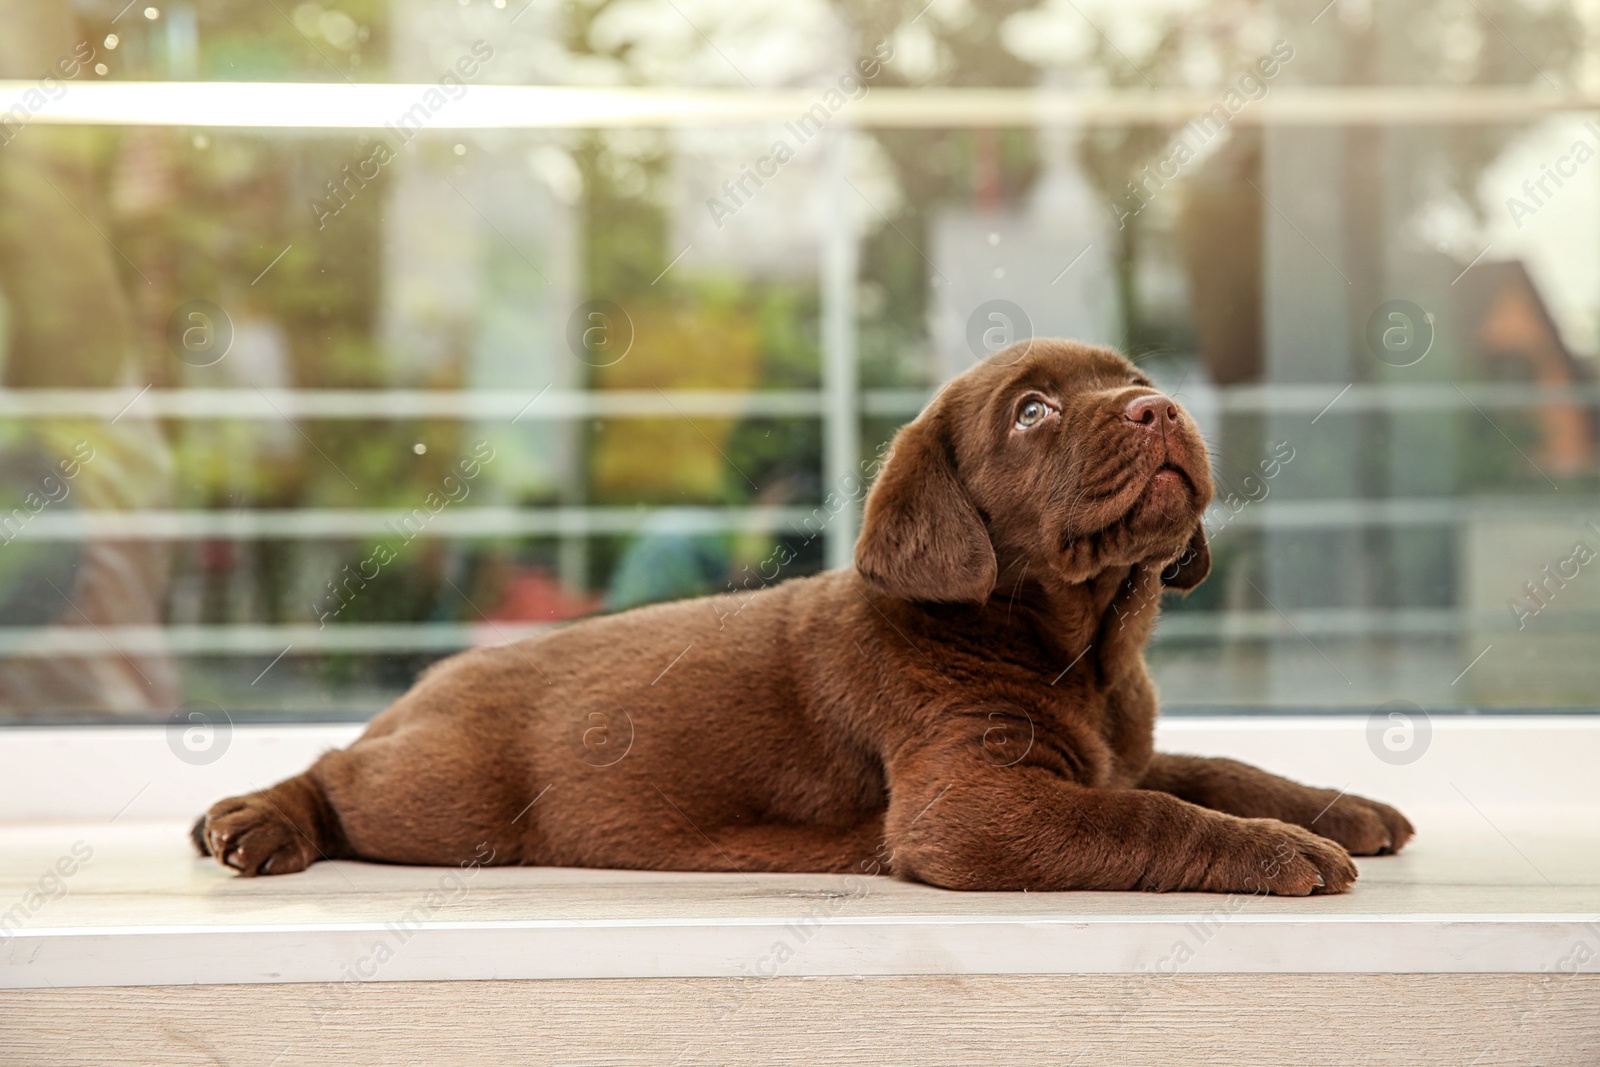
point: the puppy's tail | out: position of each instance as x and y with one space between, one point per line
197 834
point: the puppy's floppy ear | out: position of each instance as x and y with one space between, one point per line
1192 565
922 538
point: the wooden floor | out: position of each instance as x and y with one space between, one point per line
950 1021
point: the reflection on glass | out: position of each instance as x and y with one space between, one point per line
290 411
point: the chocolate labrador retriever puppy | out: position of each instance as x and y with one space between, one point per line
967 706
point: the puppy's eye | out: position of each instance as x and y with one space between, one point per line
1032 412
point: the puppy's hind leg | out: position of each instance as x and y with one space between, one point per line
279 830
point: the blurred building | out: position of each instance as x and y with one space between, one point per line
1051 257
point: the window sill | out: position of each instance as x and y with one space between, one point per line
1478 944
144 911
1504 877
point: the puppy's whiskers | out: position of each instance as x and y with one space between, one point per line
1011 601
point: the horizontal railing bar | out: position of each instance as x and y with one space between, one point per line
484 522
20 642
520 404
391 523
529 404
1278 514
1350 622
1313 398
1357 623
575 520
331 105
308 639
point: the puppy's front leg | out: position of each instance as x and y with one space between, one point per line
1365 827
960 821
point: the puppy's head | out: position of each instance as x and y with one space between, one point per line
1054 456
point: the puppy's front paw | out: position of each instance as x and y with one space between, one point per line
250 835
1365 827
1268 856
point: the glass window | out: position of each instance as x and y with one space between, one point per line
338 337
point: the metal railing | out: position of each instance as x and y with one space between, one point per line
333 105
839 404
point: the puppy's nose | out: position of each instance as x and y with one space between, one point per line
1157 412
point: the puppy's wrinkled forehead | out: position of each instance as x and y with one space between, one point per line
1056 368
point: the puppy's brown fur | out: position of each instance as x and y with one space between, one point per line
968 706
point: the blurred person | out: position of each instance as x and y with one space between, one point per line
68 323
